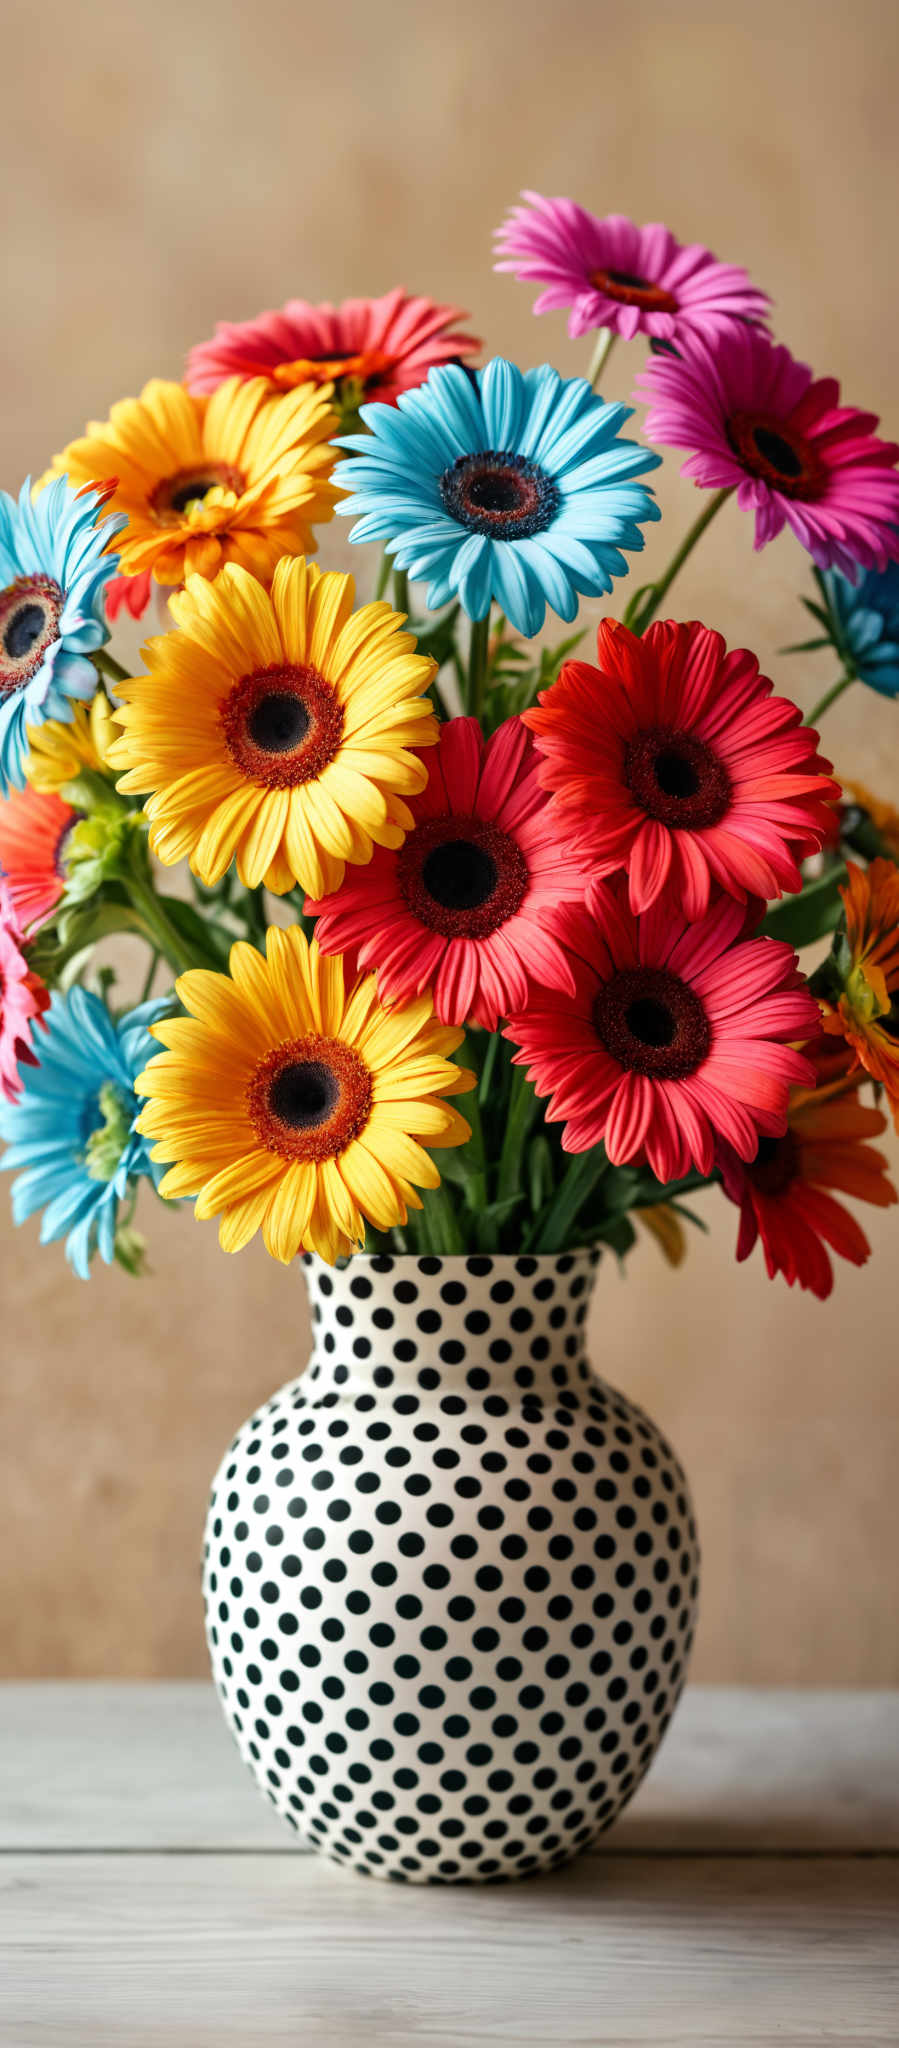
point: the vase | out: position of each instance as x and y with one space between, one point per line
450 1575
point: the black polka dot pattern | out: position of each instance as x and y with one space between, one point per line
451 1576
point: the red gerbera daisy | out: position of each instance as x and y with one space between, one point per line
756 419
674 1034
782 1194
129 593
23 1000
467 903
673 759
33 831
385 346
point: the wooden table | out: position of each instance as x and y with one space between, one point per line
749 1895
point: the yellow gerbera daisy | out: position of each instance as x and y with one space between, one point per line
291 1106
277 728
238 477
57 752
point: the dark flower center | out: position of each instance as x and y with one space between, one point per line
775 1165
30 611
172 496
676 778
309 1099
500 494
775 451
462 877
652 1023
631 290
282 725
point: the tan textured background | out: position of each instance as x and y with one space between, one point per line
170 165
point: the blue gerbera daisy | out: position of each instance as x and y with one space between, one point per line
863 623
53 576
71 1132
504 484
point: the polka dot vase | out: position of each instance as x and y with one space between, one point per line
450 1576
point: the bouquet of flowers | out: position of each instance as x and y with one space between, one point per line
423 856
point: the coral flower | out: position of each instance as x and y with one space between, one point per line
466 903
673 759
239 477
277 729
782 1193
674 1035
293 1106
58 753
72 1136
504 484
33 833
866 1013
614 274
368 348
23 1000
130 594
756 420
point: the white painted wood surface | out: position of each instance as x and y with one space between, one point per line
751 1894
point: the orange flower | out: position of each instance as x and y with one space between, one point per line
882 815
866 1014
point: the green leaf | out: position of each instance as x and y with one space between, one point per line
810 915
552 1231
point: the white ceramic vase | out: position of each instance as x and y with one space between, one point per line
451 1576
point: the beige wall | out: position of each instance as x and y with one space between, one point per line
170 165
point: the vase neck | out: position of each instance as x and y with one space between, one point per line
394 1329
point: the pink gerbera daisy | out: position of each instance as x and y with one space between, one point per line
616 275
467 903
674 1034
673 759
23 1000
33 830
757 420
384 346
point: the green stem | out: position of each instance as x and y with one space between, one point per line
438 1222
150 975
384 569
477 665
551 1231
161 932
646 606
108 666
830 697
605 342
401 591
519 1117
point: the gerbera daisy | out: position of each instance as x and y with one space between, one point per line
782 1194
54 571
33 833
673 759
277 729
866 1012
23 1000
503 484
674 1035
884 817
614 274
58 753
72 1136
756 420
863 625
466 904
239 477
368 348
293 1106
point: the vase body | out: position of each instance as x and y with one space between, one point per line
450 1575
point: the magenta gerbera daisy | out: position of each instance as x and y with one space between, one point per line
23 1000
758 421
674 1034
467 904
617 275
674 760
383 346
